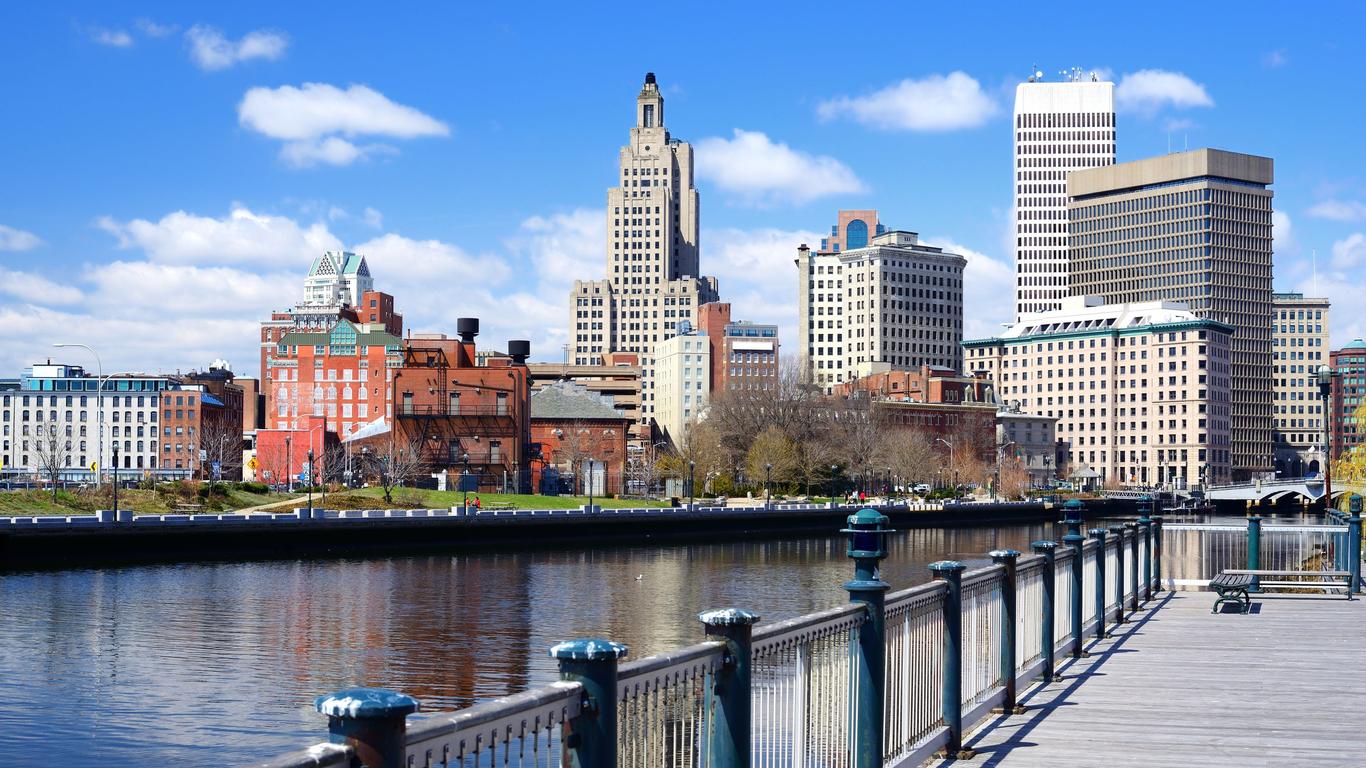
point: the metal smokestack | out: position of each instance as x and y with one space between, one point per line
468 328
519 350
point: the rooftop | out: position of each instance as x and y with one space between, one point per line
1088 314
566 400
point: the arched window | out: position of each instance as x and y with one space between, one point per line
856 234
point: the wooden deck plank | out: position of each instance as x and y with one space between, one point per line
1180 686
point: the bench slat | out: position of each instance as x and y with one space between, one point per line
1319 574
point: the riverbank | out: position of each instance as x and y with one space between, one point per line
27 543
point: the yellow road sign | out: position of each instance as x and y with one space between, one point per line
252 464
94 466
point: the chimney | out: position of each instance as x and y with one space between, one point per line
468 328
519 350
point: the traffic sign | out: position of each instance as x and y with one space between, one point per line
94 466
252 464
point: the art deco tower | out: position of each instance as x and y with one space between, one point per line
652 251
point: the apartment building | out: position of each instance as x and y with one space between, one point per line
1300 346
896 301
1348 432
683 365
1141 391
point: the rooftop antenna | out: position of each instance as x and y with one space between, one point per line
1038 74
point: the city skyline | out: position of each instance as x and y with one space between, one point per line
233 147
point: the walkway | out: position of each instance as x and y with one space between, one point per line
1181 687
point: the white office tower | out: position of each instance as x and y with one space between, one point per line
652 280
1059 127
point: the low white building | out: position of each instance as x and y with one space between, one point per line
683 380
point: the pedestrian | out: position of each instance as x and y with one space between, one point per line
476 502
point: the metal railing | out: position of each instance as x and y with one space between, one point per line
819 690
1200 551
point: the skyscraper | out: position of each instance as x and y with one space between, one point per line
1193 227
1059 127
652 251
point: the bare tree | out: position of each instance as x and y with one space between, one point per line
272 464
816 459
573 448
221 441
1014 477
736 417
910 453
856 433
336 463
54 454
396 462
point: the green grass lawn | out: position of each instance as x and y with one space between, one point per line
84 502
417 498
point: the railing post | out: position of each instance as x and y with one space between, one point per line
866 547
951 572
1157 552
1009 589
1354 545
1145 525
1118 531
728 697
1132 528
1099 535
590 740
1076 541
372 721
1049 551
1254 549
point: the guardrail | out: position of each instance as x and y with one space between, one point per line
1200 551
886 680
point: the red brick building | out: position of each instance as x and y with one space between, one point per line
744 355
282 454
580 435
926 384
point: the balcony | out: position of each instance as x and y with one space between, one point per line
444 411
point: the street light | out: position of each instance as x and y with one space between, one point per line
692 465
833 469
464 484
289 462
1326 392
310 482
951 461
589 479
99 406
768 468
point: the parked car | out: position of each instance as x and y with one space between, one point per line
922 488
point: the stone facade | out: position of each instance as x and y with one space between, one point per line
1299 337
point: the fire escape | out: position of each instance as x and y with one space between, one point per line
447 429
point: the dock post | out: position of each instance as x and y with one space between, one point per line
951 572
1118 532
867 546
1099 535
1157 552
1009 588
1145 525
1046 643
1076 541
590 740
728 696
1354 546
1254 549
1132 528
372 721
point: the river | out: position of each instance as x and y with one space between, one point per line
219 662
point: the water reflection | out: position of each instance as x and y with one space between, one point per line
164 665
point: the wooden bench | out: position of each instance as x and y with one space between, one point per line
1232 589
186 508
1274 579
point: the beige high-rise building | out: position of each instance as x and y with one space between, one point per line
652 252
1193 227
895 304
683 374
1141 391
1059 127
1299 340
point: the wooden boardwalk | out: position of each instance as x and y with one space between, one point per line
1180 687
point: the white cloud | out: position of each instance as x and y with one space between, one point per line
371 217
756 274
198 292
242 237
210 50
428 265
761 171
114 38
152 29
1339 210
12 239
1275 59
988 289
1282 234
313 119
932 103
1148 90
29 287
1350 252
564 247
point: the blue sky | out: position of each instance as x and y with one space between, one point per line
170 169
